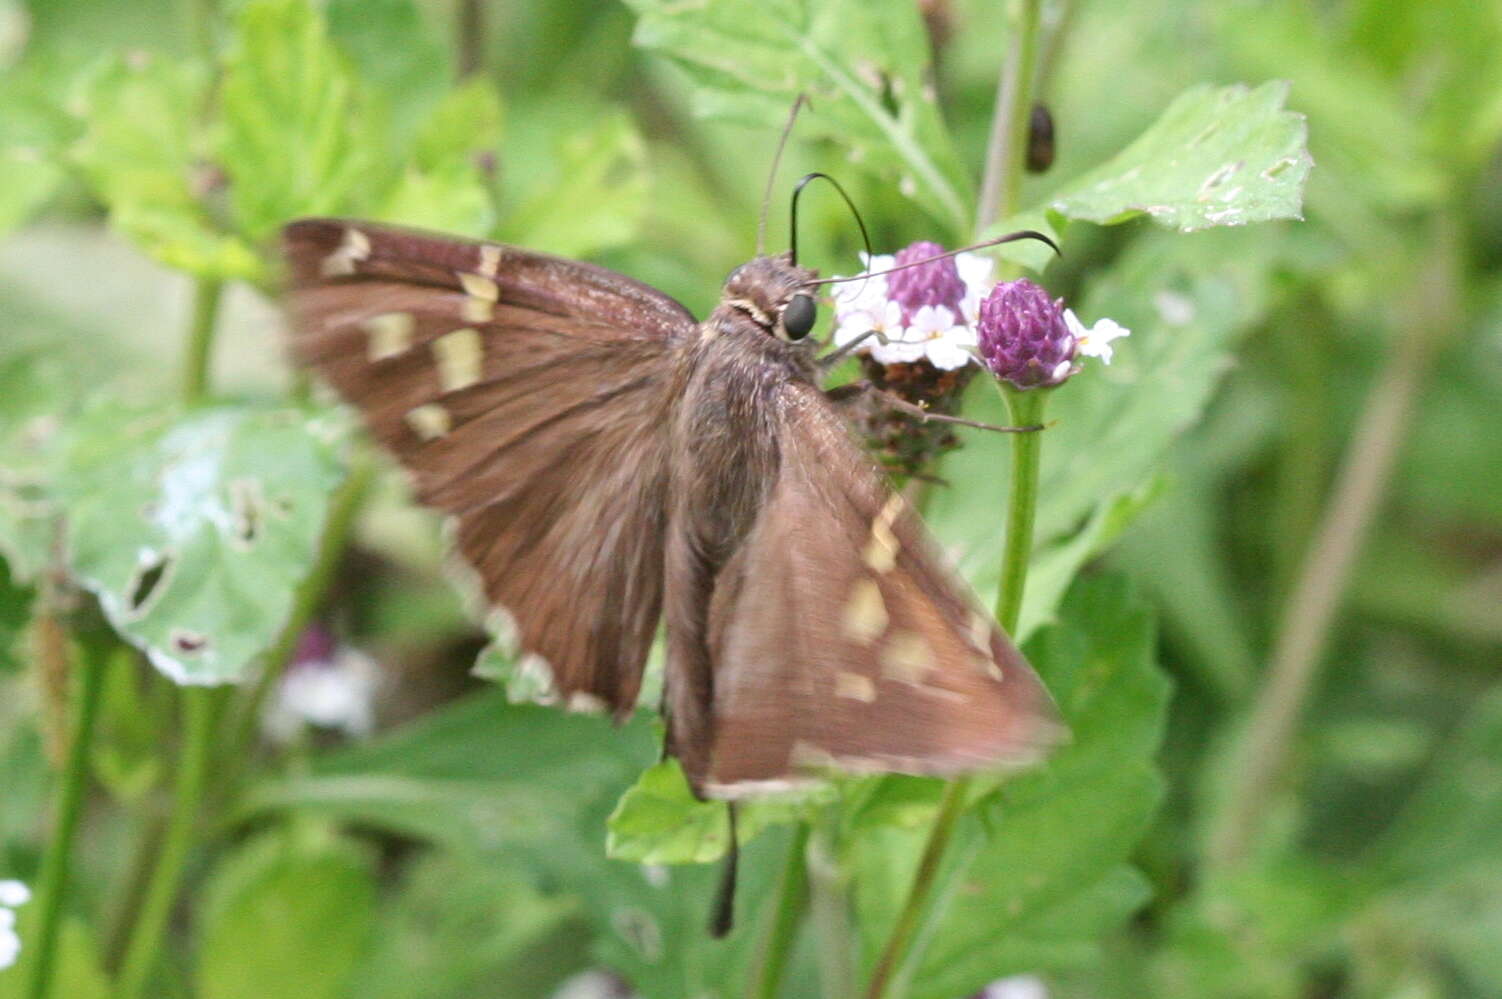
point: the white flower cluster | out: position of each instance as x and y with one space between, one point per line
13 895
337 694
1094 341
935 332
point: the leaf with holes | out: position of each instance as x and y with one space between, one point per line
196 529
864 66
1217 156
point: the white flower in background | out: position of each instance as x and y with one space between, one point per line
1016 987
327 685
1095 341
13 894
927 312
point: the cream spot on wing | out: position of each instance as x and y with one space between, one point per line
459 356
980 632
354 247
479 286
429 421
865 612
477 310
906 657
584 703
881 551
389 334
854 686
490 260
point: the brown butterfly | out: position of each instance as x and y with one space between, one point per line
611 461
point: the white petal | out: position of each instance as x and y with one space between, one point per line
1076 327
14 893
947 355
975 270
932 319
897 352
1060 371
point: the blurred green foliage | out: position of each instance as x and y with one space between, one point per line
476 847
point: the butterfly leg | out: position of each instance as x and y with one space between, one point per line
868 390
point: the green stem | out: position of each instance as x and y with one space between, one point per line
1022 503
1007 147
342 512
782 930
144 948
1026 408
53 883
829 907
200 344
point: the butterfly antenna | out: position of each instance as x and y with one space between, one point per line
766 195
793 221
1010 237
722 916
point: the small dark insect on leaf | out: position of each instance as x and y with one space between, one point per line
610 462
1040 139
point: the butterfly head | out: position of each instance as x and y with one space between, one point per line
772 293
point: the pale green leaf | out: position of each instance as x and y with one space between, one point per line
449 198
597 194
144 152
1217 156
284 920
465 124
195 530
864 66
659 821
293 140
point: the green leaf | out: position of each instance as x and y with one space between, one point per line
294 141
1217 156
598 198
397 55
659 821
283 920
144 153
466 123
1186 300
15 613
478 776
458 927
451 198
195 530
1054 568
1046 880
863 65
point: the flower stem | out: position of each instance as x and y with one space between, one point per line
1026 409
93 658
782 930
200 344
1022 504
1007 146
200 709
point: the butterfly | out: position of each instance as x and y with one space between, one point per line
611 462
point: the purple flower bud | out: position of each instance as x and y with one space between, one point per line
1023 336
936 283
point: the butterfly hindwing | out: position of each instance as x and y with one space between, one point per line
526 395
840 639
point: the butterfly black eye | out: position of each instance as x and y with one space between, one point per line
798 317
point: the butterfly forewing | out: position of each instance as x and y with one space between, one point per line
526 395
841 640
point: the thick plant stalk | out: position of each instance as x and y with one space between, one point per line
1360 487
92 660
